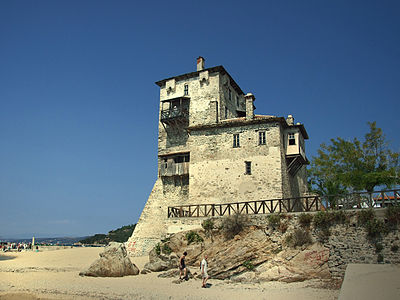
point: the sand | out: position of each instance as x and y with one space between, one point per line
55 275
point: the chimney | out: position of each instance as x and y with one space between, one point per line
200 63
249 106
290 120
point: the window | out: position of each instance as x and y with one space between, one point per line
229 94
236 143
237 101
165 163
248 167
292 140
226 112
186 90
261 138
182 158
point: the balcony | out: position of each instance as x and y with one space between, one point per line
175 111
174 169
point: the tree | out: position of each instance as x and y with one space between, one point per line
354 165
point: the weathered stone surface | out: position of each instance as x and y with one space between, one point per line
215 172
113 262
272 258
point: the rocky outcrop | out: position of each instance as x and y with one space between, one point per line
113 262
160 262
289 252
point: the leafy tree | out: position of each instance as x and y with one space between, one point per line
354 165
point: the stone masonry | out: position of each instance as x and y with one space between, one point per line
212 148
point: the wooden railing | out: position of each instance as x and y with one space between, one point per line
298 204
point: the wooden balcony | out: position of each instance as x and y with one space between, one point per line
174 169
175 111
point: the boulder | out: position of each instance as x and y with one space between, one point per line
113 262
161 262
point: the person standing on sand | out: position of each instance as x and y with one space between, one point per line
204 267
182 266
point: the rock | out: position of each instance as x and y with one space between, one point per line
113 262
156 266
145 271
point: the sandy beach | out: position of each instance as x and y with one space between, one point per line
55 275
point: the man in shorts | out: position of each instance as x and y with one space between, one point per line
204 274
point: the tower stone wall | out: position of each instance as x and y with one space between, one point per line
213 149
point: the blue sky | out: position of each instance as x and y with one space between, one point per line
79 107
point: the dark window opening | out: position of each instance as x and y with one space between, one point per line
186 89
226 112
261 138
182 158
292 140
236 143
237 101
230 94
248 167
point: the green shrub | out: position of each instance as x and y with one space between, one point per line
305 220
378 247
233 225
340 216
323 234
166 249
394 248
365 215
323 220
380 258
208 226
249 265
392 215
299 237
375 228
274 220
158 249
193 237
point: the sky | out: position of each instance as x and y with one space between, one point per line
79 107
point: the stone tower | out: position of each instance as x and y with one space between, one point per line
212 148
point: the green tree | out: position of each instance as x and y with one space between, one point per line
354 165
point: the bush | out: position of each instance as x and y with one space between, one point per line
249 265
305 220
394 248
233 225
340 217
166 249
208 226
274 220
323 234
378 247
380 258
375 228
365 215
299 237
322 220
158 249
392 215
193 237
